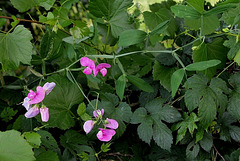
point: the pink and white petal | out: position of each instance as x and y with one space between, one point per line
32 112
103 71
26 103
88 125
103 65
105 134
112 124
87 71
97 113
44 114
40 94
48 87
31 94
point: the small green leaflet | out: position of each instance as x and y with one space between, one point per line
160 28
120 86
140 83
203 65
176 80
131 37
33 139
16 47
187 12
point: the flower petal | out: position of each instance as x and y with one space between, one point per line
48 87
103 71
105 134
32 112
87 71
26 103
40 94
97 113
31 94
88 125
100 67
44 114
112 124
86 62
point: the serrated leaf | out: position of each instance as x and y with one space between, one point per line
206 98
214 50
232 16
234 46
34 139
131 37
163 74
13 147
235 133
176 80
15 48
64 95
140 83
120 86
207 142
145 131
203 65
192 151
139 115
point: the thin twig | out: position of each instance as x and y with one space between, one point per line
31 21
217 153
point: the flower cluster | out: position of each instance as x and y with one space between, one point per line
104 134
34 98
90 67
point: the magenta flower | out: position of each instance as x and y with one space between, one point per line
102 68
97 113
105 134
86 62
36 97
111 123
48 87
88 125
44 114
32 112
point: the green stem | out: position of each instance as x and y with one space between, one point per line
121 67
43 68
225 69
80 89
2 79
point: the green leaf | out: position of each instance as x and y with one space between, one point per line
64 95
131 37
163 74
105 147
187 124
219 9
203 65
114 12
162 135
176 80
185 12
154 20
139 115
140 83
192 150
81 109
13 147
206 98
160 28
235 133
197 5
120 86
33 139
207 142
47 156
232 16
145 130
7 114
15 48
46 45
214 50
234 46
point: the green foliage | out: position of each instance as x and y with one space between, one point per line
7 114
33 139
14 147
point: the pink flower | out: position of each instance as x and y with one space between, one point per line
26 103
48 87
102 68
44 114
32 112
36 97
105 134
88 125
111 123
97 113
86 62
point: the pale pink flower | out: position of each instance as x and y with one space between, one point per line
36 97
44 114
32 112
26 103
48 87
105 134
86 62
88 125
111 123
97 113
102 68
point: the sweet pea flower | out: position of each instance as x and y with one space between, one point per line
97 113
32 112
88 125
26 103
102 68
36 97
105 134
111 123
48 87
44 113
86 62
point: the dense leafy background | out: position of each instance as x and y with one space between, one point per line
173 85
